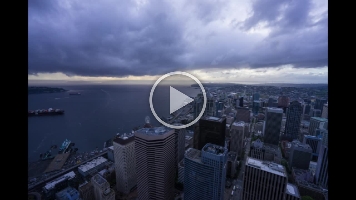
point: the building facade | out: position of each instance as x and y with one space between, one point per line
263 180
211 130
315 124
237 133
205 172
243 114
125 162
273 125
155 163
293 119
102 190
300 155
321 172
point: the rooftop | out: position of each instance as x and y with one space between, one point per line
215 119
53 183
274 109
297 143
240 123
99 179
91 164
319 119
214 149
193 154
124 138
292 190
154 131
267 166
67 192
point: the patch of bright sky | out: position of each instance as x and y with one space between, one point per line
283 74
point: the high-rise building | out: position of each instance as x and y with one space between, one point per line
237 137
241 102
319 103
321 172
211 130
243 114
300 155
322 132
294 114
102 190
324 113
315 123
179 135
256 97
273 125
205 172
155 163
255 107
315 142
125 162
86 191
263 180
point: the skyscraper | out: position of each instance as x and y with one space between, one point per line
300 155
179 135
211 130
294 113
255 106
102 190
155 163
241 102
237 137
263 180
324 113
205 173
315 123
321 172
283 102
125 162
273 125
319 103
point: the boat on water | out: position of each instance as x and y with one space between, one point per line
44 112
65 145
47 155
74 93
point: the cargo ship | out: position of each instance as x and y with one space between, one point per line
44 112
65 145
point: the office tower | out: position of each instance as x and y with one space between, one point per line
241 102
243 114
270 102
273 125
293 120
319 103
258 128
197 106
300 155
283 102
307 109
211 130
237 137
86 191
125 162
231 164
102 190
205 172
315 142
266 152
315 112
263 180
322 132
179 135
255 107
324 113
315 123
209 109
229 120
155 163
321 172
256 97
292 192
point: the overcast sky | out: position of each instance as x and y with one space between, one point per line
257 41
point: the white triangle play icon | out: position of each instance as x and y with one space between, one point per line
177 100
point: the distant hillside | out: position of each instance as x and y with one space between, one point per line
41 90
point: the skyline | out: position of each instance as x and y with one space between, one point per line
216 41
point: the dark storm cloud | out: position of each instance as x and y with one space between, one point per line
295 39
121 38
105 40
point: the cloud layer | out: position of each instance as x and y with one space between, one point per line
135 38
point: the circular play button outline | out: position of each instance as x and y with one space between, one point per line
168 75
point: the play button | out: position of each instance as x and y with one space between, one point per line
177 100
